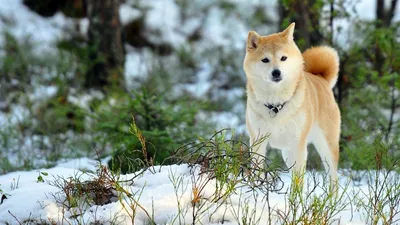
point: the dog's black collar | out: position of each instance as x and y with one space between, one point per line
274 109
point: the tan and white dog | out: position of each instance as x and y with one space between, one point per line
290 99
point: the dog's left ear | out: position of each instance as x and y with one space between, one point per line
288 32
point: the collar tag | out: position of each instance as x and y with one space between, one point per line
272 113
274 109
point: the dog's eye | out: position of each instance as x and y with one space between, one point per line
266 60
283 58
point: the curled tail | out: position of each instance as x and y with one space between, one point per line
322 60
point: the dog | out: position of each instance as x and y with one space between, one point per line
290 100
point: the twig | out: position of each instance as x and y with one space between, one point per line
14 217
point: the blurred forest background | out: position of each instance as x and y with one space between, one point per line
75 74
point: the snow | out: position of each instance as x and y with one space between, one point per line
203 82
163 191
227 119
83 100
17 114
137 66
128 14
43 93
23 23
165 23
164 16
364 10
213 26
80 163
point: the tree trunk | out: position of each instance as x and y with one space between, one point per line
306 15
106 49
384 19
385 16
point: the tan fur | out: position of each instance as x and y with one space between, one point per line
322 60
310 113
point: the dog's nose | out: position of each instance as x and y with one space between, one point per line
276 73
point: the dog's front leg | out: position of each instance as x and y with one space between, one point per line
258 151
295 159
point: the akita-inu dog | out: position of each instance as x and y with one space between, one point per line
290 99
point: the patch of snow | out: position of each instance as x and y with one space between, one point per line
223 120
17 114
43 93
203 84
80 163
226 119
43 32
190 25
163 18
84 26
165 192
363 10
83 100
127 13
137 66
213 30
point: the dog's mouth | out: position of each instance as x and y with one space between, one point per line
276 79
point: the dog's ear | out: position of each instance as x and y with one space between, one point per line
288 32
252 40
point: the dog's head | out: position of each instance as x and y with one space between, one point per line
273 60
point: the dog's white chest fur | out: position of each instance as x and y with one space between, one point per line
281 131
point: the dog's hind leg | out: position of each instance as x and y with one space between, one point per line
327 146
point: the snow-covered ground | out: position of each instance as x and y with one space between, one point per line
166 194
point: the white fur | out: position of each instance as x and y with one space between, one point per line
279 133
282 132
318 138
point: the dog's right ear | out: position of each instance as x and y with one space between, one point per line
252 40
